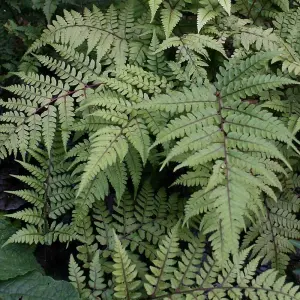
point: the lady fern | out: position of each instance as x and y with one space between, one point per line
132 94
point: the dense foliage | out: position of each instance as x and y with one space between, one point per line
158 140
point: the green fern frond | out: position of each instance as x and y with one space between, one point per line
163 265
96 275
107 145
29 215
284 5
244 68
36 184
117 176
144 204
272 234
230 179
46 83
178 102
198 177
226 4
154 5
204 15
195 42
29 235
64 233
137 133
107 34
134 166
124 273
156 62
77 278
96 190
124 216
49 126
187 124
30 196
87 65
103 223
63 71
259 38
254 85
84 233
186 274
170 16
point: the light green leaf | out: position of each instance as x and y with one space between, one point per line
49 9
49 126
170 16
203 16
226 4
154 5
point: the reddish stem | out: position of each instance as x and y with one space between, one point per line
53 100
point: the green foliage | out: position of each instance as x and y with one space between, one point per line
168 156
16 260
19 275
34 285
51 195
280 224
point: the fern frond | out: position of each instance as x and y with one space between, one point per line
134 166
238 70
144 204
170 16
124 216
107 34
84 233
124 273
187 124
186 274
96 275
64 233
137 133
195 42
272 234
63 71
254 85
86 64
156 61
29 235
107 145
103 223
77 278
226 4
154 5
117 176
258 37
204 15
29 215
178 102
49 126
163 265
30 196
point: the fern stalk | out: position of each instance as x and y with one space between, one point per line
53 100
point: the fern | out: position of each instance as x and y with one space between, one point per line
163 265
51 196
167 157
229 129
125 273
204 16
170 16
280 225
